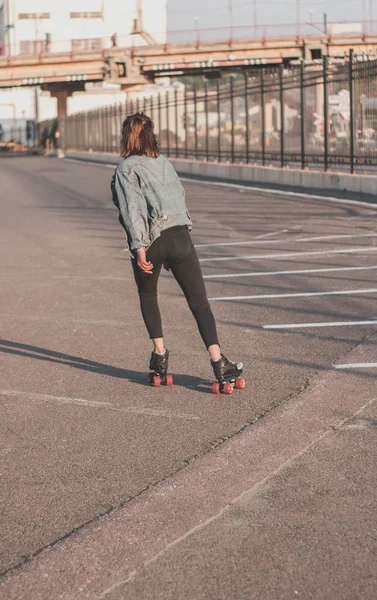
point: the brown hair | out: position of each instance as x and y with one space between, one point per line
138 137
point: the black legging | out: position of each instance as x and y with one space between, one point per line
176 248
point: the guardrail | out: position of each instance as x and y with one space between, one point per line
196 35
322 114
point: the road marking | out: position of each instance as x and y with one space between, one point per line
289 241
299 295
297 272
264 235
33 318
326 324
92 162
290 254
245 188
357 366
89 278
95 404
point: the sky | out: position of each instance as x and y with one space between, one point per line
215 13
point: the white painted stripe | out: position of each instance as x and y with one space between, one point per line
264 235
299 295
297 272
260 190
247 188
328 324
289 240
357 366
291 254
92 162
96 404
89 278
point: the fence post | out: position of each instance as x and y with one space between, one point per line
111 125
206 113
100 136
103 130
218 121
120 123
232 117
152 109
302 124
108 128
104 124
176 120
246 118
167 124
352 123
281 89
325 116
186 121
159 116
263 111
196 123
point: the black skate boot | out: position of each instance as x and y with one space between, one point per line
227 374
158 365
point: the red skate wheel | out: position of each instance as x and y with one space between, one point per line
169 380
216 388
240 383
156 380
228 388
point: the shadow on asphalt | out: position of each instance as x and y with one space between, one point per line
84 364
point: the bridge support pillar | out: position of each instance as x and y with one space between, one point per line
61 97
61 92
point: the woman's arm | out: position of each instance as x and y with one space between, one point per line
133 213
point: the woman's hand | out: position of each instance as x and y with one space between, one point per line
142 262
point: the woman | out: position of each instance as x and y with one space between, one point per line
152 209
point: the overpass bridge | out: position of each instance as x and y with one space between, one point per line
66 72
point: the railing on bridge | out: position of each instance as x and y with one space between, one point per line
322 114
195 35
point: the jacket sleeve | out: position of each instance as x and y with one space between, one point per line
133 212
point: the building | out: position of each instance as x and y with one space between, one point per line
34 26
43 26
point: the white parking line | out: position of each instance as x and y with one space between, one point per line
290 254
299 295
92 162
290 241
95 404
357 366
264 235
325 324
297 272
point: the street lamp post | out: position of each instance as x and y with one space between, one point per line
230 8
298 16
371 16
196 19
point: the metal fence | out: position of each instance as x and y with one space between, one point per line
322 114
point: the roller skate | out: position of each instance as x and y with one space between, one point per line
228 377
158 365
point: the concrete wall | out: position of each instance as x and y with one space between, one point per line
249 174
364 184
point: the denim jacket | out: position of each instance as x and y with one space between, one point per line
149 197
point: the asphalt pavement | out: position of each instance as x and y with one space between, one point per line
113 489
